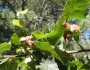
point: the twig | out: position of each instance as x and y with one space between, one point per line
33 56
78 51
12 56
79 45
69 52
8 56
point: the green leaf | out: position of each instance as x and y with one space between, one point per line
83 24
38 55
19 23
18 50
46 30
76 9
9 65
45 46
32 64
62 54
3 60
4 66
15 38
58 31
71 66
85 67
12 65
4 46
78 63
76 35
22 64
38 35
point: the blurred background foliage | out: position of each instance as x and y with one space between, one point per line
40 13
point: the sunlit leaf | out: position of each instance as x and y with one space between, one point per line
45 46
58 31
78 63
3 60
22 63
76 9
4 46
19 23
22 12
18 50
15 38
38 35
83 24
46 30
76 36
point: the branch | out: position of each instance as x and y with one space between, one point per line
79 45
33 56
78 51
12 56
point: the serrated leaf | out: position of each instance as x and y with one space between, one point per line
19 23
4 46
76 9
45 46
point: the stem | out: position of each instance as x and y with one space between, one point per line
78 51
33 56
79 45
69 52
12 56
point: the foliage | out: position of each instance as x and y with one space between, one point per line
32 48
76 10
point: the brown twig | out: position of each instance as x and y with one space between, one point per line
79 45
8 56
33 55
78 51
12 56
